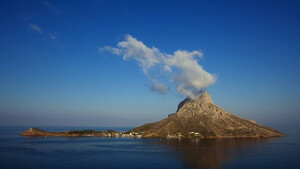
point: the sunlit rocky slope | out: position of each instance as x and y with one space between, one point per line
203 118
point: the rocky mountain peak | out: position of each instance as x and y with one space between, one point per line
202 118
205 98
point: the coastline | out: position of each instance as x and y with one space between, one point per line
35 132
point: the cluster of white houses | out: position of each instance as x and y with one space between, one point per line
179 135
195 134
139 135
117 134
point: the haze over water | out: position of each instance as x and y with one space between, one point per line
19 152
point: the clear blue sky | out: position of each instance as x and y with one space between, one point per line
51 72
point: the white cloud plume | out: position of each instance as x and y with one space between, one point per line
181 66
191 77
35 27
132 48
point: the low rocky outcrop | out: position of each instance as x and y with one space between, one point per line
35 132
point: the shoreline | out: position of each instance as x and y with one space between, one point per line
35 132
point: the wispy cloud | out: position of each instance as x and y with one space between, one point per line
181 67
159 87
35 27
53 36
48 5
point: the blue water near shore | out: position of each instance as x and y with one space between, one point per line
19 152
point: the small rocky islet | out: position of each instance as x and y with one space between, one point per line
200 118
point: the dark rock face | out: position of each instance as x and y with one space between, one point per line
203 118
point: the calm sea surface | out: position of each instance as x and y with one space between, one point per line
19 152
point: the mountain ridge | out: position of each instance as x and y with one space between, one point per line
203 118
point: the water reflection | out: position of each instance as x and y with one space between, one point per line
211 153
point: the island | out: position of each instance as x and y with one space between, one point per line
200 118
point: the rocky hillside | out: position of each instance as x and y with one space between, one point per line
202 118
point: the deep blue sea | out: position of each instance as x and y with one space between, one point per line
20 152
